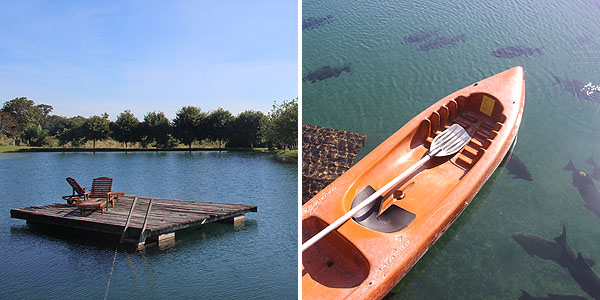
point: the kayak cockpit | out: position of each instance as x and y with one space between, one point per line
481 114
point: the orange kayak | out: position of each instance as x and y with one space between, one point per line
368 254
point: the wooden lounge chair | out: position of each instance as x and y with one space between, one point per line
100 195
79 192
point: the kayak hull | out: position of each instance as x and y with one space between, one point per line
358 262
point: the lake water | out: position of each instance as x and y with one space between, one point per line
392 80
217 261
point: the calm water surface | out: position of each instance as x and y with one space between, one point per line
217 261
391 81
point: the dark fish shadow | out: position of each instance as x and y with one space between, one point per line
421 36
326 72
315 22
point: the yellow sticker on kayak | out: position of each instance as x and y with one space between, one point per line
487 105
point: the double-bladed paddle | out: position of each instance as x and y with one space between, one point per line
446 143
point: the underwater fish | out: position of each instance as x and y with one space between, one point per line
556 250
560 252
516 51
584 40
572 86
596 172
518 169
314 22
420 36
567 255
585 276
577 88
526 296
441 42
535 245
587 189
326 72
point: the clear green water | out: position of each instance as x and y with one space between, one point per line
392 81
216 261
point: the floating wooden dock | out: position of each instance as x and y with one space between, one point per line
138 220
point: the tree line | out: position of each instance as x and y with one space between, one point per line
25 122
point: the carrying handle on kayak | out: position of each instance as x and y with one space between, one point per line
449 142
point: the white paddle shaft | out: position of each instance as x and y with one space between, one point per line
366 202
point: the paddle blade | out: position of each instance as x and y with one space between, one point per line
450 141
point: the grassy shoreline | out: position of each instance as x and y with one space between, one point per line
286 153
21 149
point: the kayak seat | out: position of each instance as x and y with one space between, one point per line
392 219
334 261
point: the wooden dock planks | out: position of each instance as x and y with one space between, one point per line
166 215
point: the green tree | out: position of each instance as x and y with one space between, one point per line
156 128
280 128
44 117
126 129
245 129
75 134
45 109
60 128
219 126
95 129
188 125
25 112
8 125
35 135
52 123
268 132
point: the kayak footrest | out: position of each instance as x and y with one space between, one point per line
393 219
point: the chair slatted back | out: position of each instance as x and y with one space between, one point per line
101 186
76 187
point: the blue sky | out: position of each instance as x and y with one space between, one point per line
89 57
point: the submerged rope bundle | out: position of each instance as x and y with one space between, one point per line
326 154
